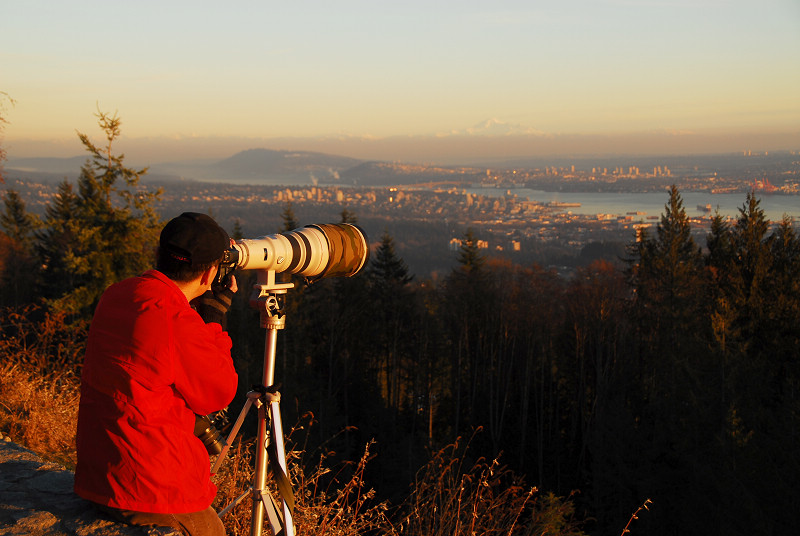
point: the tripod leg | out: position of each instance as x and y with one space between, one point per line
273 514
274 447
260 477
284 485
234 431
233 504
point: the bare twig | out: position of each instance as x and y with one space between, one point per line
635 515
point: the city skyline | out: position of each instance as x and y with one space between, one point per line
416 81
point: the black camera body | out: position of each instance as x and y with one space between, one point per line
208 434
226 267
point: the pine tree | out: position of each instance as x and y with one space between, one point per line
290 222
468 307
386 267
783 297
17 222
785 279
18 264
668 277
718 241
388 279
115 227
58 241
237 233
762 376
752 247
348 217
469 255
721 289
673 379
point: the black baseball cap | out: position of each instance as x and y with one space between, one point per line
194 238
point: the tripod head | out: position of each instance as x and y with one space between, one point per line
268 299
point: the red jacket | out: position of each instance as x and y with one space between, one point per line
151 364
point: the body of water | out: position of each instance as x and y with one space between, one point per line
652 204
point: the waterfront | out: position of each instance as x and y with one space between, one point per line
652 204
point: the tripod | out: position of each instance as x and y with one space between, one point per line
267 298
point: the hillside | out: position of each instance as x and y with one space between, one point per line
253 166
267 166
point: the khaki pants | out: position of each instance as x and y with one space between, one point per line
203 523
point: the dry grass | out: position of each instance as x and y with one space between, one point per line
42 341
39 381
328 501
40 413
453 494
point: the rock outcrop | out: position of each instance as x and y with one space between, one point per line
36 499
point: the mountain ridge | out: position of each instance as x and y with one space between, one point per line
256 166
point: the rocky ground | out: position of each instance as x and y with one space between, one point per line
36 499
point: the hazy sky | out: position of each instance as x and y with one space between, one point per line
376 69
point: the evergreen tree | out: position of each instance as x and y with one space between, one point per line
668 277
290 222
17 222
762 404
386 267
722 288
752 248
718 241
785 278
115 227
58 242
672 384
395 378
237 233
348 217
388 279
470 259
468 307
748 279
18 263
725 341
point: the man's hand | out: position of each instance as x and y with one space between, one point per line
214 303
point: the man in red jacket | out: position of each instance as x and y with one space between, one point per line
156 357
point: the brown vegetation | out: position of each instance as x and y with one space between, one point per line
449 497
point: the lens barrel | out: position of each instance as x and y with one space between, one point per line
313 251
348 249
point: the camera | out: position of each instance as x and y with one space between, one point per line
314 251
208 434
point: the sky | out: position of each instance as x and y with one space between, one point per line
402 80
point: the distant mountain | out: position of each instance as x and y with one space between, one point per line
262 166
253 166
46 169
265 166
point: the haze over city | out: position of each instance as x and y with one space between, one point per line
440 81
